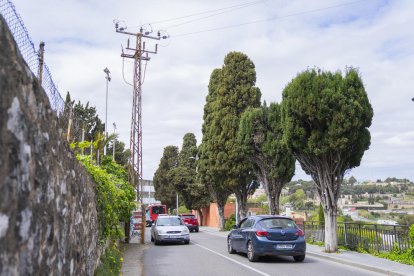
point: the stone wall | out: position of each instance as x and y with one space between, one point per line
48 219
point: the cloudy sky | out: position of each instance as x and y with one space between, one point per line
282 37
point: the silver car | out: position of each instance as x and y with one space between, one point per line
169 229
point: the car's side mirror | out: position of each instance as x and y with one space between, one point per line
234 226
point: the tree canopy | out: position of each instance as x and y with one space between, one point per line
164 189
260 137
223 165
326 118
183 177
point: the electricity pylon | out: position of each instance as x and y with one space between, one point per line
138 54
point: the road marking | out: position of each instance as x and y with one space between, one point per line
230 259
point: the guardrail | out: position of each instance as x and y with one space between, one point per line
30 54
369 237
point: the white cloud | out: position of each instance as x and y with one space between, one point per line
375 36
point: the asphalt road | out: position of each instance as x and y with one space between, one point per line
207 255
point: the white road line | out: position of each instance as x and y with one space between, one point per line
230 259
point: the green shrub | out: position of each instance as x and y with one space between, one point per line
183 210
405 257
265 209
111 262
411 235
114 196
230 222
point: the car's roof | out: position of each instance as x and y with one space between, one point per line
186 215
269 216
168 216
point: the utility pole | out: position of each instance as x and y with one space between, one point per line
113 144
108 79
138 54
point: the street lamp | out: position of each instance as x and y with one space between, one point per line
108 79
177 202
113 144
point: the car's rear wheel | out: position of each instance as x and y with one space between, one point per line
230 247
251 255
299 258
196 229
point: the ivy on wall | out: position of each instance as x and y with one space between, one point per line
115 196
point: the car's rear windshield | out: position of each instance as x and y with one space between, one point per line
277 223
169 221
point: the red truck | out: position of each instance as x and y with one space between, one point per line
152 212
190 221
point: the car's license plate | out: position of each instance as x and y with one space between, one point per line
284 246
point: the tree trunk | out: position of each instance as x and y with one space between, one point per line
331 238
127 230
328 173
274 190
241 197
200 214
220 207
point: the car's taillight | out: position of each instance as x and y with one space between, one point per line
300 233
262 233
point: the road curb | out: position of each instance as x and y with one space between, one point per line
355 264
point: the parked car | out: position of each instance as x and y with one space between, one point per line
190 221
169 229
267 236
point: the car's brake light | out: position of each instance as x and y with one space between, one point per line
300 233
262 233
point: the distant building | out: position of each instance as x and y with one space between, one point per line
148 193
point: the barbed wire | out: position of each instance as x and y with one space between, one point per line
30 54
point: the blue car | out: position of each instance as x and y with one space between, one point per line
267 236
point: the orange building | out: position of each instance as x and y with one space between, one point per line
211 216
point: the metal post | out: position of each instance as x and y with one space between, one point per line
69 124
83 137
113 144
237 212
40 68
345 239
177 203
376 237
108 79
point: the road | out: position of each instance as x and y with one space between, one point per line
207 255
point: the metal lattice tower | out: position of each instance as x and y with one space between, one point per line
139 54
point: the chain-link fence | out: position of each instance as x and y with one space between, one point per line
30 54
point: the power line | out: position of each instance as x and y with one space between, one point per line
212 15
270 19
208 11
